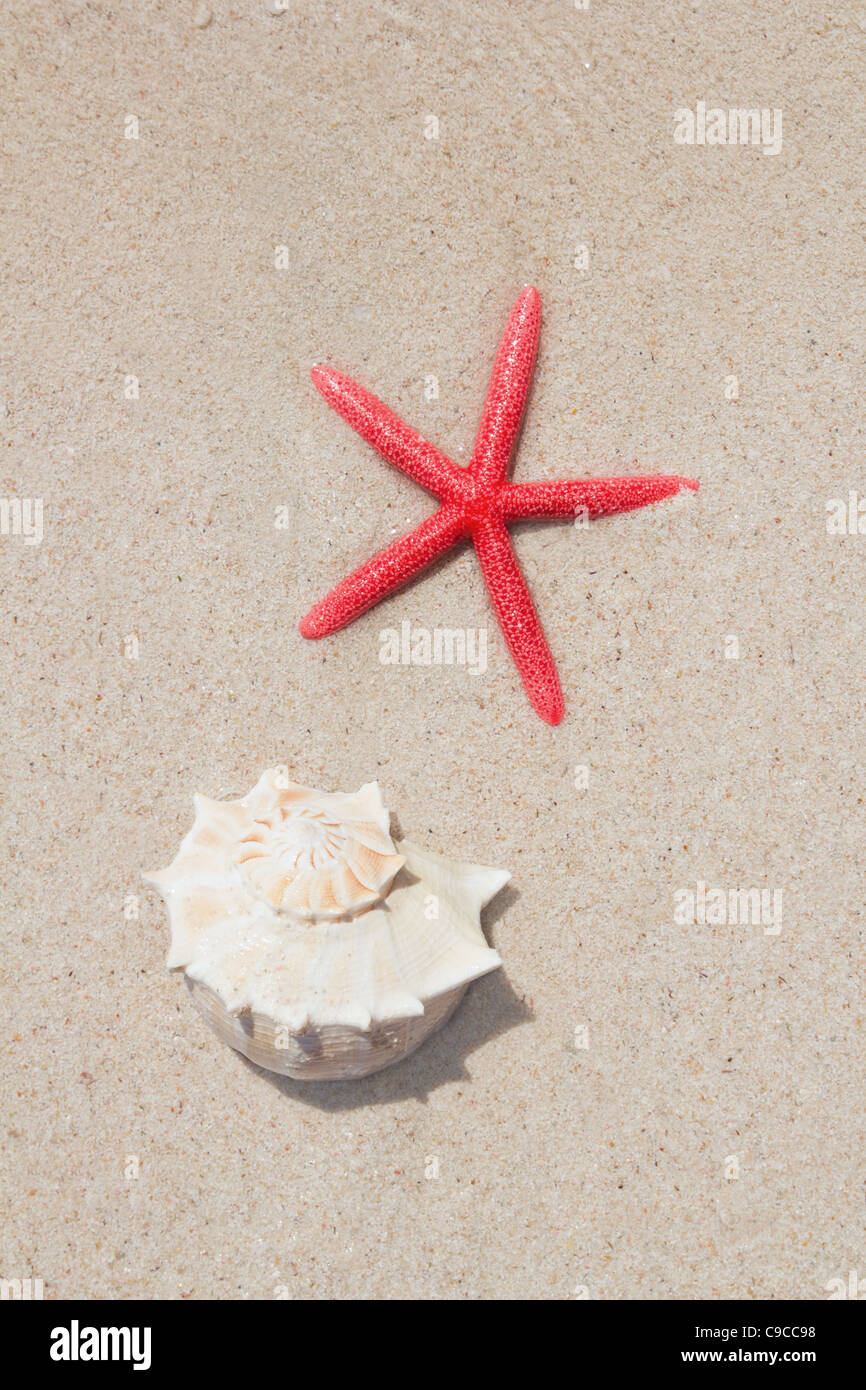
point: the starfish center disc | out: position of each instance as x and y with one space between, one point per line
477 507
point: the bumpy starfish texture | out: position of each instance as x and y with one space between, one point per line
477 502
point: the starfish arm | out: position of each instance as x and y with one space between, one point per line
518 619
590 496
508 389
395 441
390 569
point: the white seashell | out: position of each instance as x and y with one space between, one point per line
309 943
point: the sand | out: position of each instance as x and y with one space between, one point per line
636 1106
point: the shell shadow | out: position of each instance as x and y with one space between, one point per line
489 1007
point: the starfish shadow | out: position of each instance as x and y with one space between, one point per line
489 1007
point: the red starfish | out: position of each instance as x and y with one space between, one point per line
477 501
